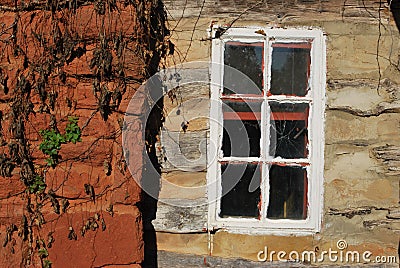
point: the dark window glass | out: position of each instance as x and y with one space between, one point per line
240 190
290 69
241 105
288 193
288 132
243 72
242 132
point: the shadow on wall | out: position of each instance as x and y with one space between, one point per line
151 181
151 175
395 8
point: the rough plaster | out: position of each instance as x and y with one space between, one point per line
353 176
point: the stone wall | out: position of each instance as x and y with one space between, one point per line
362 127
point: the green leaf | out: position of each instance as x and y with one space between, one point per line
38 185
72 130
52 140
43 253
47 264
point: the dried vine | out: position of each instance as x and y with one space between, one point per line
44 42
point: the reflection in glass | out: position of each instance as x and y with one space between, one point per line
243 72
240 190
290 69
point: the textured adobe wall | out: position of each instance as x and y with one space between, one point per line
82 59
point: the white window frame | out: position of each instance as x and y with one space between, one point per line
315 159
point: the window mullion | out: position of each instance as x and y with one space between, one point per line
265 132
264 141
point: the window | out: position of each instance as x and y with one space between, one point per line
265 171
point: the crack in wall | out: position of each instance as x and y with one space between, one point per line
382 108
390 155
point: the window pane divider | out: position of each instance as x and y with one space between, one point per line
241 159
289 98
242 96
285 160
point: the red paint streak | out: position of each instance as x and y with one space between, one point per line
259 207
300 116
290 164
242 116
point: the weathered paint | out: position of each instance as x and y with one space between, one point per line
361 156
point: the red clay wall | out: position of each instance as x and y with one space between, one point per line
113 233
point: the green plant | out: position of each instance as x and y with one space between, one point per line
43 253
52 140
72 130
47 264
37 186
51 145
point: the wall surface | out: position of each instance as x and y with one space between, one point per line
86 60
362 127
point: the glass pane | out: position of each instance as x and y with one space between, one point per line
243 71
242 132
288 193
290 69
288 131
240 190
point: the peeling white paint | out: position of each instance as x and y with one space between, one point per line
315 160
